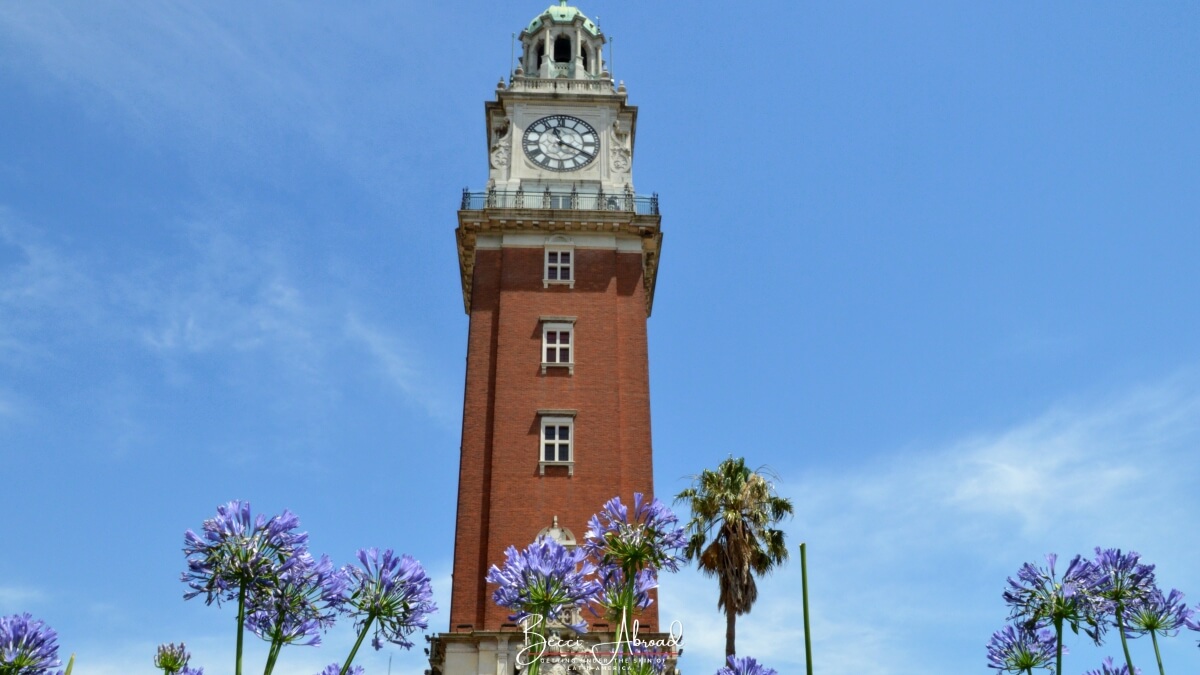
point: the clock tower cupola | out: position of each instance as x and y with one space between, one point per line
559 122
558 258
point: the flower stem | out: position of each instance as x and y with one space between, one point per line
271 656
358 643
1058 648
276 646
535 666
1124 642
241 626
1157 655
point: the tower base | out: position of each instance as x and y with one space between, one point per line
506 652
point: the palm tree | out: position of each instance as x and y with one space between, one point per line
732 536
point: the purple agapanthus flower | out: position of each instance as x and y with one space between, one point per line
1125 582
1124 579
172 658
1193 621
301 604
234 552
745 666
27 646
1015 649
1163 615
392 591
1107 668
336 669
616 592
649 537
545 579
1038 598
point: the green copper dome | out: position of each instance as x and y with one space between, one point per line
562 13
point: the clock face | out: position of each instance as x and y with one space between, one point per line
560 143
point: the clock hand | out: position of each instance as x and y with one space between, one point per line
576 148
562 141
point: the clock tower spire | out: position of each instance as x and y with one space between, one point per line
558 259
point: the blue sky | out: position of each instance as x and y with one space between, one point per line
933 263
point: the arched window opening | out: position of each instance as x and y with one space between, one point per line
584 52
541 54
562 49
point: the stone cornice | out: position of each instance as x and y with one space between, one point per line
472 223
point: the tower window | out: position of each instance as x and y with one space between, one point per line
558 336
556 447
559 266
562 49
556 440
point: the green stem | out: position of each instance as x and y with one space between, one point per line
358 643
276 646
241 626
1058 648
271 656
1157 655
1124 642
624 661
535 666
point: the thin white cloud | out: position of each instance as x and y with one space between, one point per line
226 294
220 296
401 367
8 404
15 599
773 632
918 544
33 273
391 353
223 294
159 63
40 286
222 82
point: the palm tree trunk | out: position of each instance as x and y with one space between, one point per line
730 631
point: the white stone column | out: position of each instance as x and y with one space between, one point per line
502 656
577 61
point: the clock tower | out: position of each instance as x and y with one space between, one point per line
558 256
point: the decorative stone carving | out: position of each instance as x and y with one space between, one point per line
619 153
500 157
500 152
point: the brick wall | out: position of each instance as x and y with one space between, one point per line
502 498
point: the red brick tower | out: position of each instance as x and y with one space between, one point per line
558 258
